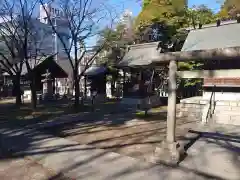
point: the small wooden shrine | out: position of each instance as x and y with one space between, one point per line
140 87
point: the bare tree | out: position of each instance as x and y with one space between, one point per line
83 19
9 46
22 40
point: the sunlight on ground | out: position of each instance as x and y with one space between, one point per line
129 133
110 102
7 101
136 138
39 114
125 133
44 112
153 110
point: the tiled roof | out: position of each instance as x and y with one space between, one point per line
213 37
141 54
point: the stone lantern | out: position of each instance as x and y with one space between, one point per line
48 86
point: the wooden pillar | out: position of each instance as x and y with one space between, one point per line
172 95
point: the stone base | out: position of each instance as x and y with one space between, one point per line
168 153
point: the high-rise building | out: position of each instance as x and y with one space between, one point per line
55 14
126 18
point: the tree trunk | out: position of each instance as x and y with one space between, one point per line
33 93
124 77
85 87
77 90
17 90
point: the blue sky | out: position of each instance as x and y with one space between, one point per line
210 3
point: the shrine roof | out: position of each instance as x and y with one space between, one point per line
95 70
41 65
65 65
213 37
212 42
141 55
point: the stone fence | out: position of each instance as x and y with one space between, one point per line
225 112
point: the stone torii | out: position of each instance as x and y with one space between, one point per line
170 151
148 55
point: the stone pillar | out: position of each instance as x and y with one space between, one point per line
49 85
169 152
172 95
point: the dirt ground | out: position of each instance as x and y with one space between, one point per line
114 129
124 133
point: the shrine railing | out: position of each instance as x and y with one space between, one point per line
211 107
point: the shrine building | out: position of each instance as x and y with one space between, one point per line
216 47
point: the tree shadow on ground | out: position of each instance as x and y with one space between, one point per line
29 141
225 146
26 143
219 137
165 172
156 116
113 117
25 115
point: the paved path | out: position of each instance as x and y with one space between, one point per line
23 169
216 152
84 162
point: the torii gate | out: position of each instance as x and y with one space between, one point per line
170 151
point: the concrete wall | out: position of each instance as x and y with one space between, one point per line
227 112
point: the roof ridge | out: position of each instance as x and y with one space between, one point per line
144 44
205 26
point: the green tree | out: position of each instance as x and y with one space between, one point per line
199 15
161 10
117 41
145 3
231 7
